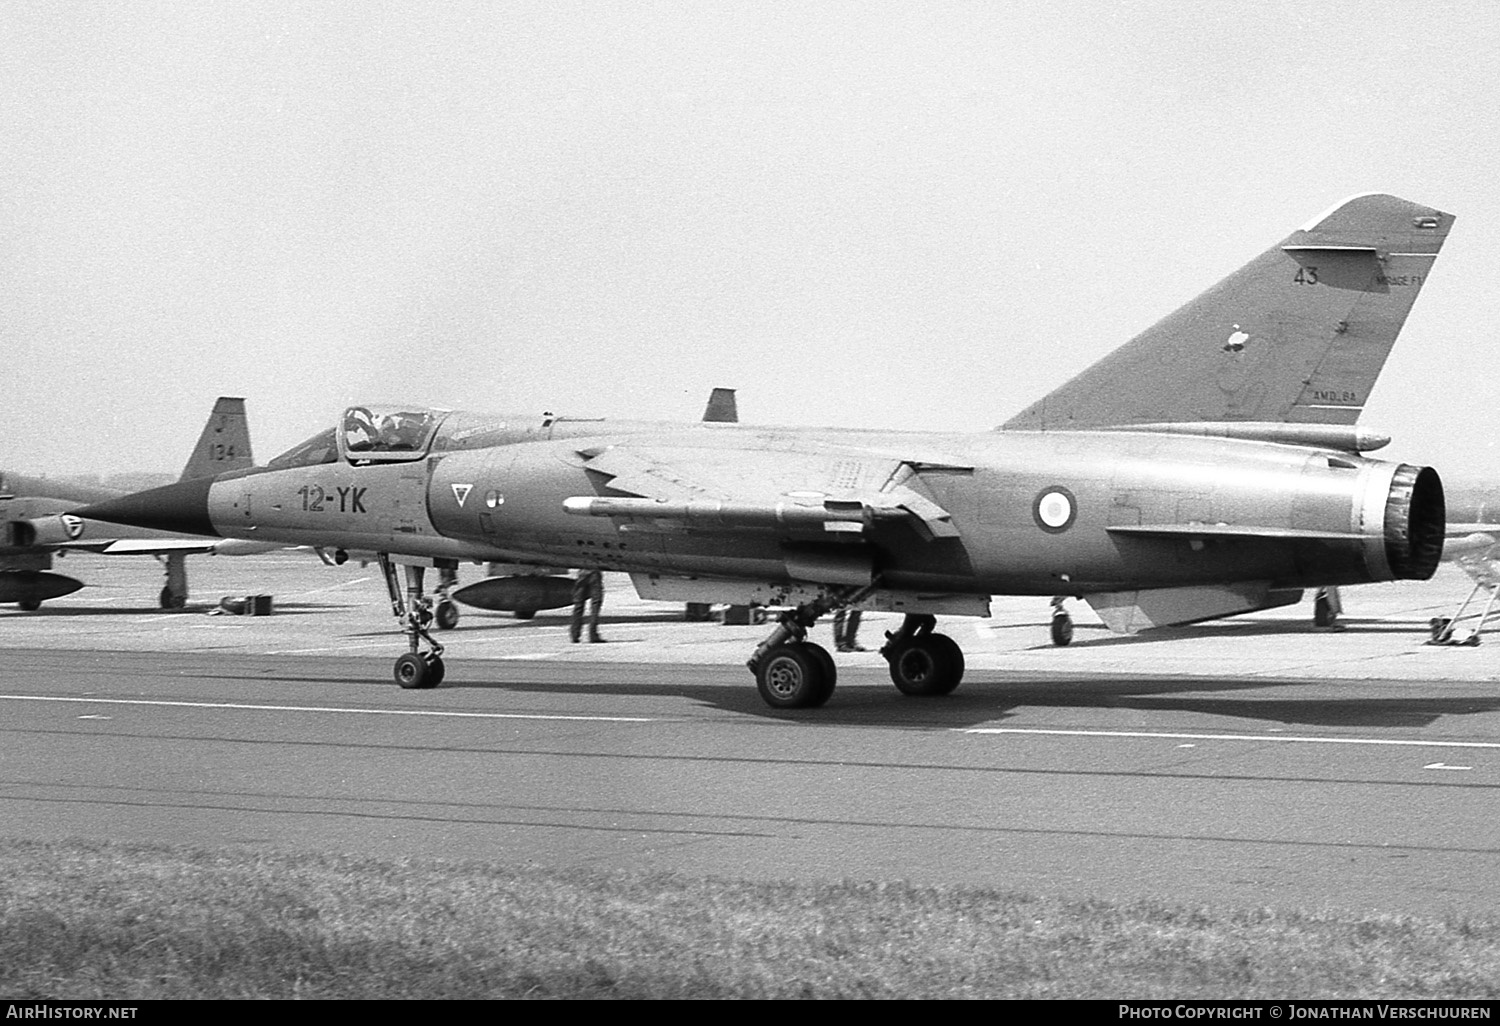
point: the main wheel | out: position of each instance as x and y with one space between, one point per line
30 605
1062 629
169 599
446 615
1323 612
793 677
829 667
412 671
524 614
953 655
927 667
435 671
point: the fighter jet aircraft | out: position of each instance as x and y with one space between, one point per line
1209 467
39 522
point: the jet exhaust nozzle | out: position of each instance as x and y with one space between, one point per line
1415 523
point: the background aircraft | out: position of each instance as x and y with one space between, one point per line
39 525
1473 543
1211 466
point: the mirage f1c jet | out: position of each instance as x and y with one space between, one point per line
1211 466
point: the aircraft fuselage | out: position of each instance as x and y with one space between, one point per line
1033 512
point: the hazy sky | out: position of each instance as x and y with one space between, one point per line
917 215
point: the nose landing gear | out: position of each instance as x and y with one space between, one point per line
415 669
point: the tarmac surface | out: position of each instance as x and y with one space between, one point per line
1252 761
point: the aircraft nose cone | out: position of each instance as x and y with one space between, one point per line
179 507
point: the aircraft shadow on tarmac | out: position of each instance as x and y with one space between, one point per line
1100 636
193 609
479 624
984 699
564 618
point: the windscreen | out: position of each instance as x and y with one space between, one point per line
322 447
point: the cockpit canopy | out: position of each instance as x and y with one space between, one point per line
387 433
368 434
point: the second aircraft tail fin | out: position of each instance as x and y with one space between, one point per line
1298 335
721 408
224 444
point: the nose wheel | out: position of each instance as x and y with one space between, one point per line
416 668
417 671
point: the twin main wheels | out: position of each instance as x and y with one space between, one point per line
802 675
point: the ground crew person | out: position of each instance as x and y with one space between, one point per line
588 590
846 630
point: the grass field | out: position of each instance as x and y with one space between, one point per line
134 922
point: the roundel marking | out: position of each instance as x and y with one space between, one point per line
73 526
1055 509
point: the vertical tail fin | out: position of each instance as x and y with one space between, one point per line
224 444
1298 335
721 408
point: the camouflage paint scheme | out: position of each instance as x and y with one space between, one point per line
1208 467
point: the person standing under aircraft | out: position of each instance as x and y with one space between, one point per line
846 630
587 589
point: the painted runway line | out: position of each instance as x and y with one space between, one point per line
327 709
1292 738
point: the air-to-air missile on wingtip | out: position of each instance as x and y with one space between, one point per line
1210 466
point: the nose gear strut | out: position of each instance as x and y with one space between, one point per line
415 669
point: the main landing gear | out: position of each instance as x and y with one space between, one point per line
794 673
790 671
174 594
1062 623
923 664
415 669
